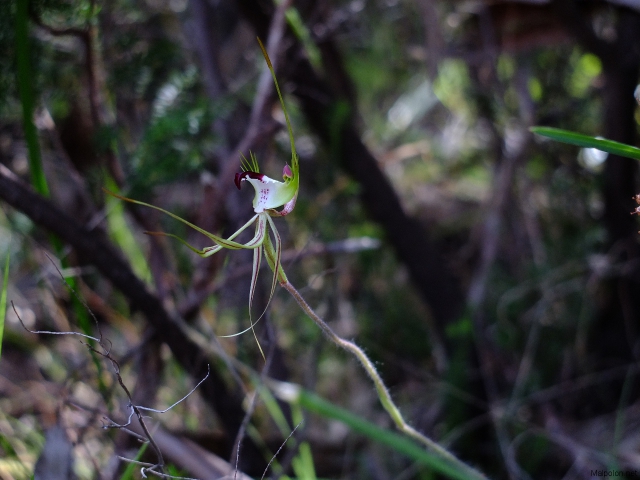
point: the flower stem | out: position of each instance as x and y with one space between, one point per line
383 393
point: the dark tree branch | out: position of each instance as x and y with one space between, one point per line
92 247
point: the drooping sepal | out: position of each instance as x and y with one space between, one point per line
220 241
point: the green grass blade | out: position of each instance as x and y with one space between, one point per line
11 462
24 78
3 300
398 442
38 179
123 237
302 463
276 413
301 31
587 141
132 467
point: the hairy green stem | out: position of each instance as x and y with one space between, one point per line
383 393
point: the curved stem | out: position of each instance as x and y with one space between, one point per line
383 393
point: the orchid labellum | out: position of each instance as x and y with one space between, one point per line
270 195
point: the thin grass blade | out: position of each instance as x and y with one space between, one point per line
586 141
25 88
121 234
128 474
397 442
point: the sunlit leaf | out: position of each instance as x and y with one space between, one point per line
123 237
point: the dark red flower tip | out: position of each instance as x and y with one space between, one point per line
241 176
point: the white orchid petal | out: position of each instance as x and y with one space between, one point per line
270 193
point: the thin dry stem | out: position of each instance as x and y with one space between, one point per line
105 352
149 468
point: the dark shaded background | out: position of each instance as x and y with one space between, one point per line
501 305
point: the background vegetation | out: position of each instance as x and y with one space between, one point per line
492 276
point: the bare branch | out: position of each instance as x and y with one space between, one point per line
149 468
48 332
181 400
106 345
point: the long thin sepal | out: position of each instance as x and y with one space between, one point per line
295 167
276 271
263 221
278 251
294 159
272 255
225 243
261 229
204 253
257 260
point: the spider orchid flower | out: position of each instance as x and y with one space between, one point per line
270 195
